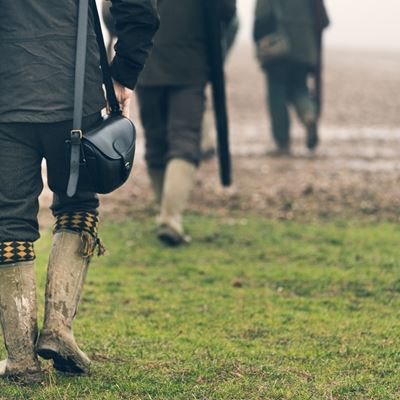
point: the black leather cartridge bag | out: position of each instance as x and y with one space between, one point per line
101 156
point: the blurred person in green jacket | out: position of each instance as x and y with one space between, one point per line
288 36
171 94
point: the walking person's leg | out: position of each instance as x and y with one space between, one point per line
186 109
277 100
153 104
304 103
208 133
20 187
75 238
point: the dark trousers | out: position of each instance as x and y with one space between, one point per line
287 85
172 119
22 149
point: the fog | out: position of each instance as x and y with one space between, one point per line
362 24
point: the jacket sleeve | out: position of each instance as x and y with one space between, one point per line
323 18
136 22
228 10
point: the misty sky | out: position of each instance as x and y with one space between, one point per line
366 24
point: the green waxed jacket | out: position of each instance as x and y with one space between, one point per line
299 19
37 47
179 55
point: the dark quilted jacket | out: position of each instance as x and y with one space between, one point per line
299 19
179 56
37 48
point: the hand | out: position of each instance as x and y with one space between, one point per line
124 95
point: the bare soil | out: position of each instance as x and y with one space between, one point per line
355 172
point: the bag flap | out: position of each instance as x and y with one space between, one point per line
115 137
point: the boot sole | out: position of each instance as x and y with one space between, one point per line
26 379
66 360
65 364
170 238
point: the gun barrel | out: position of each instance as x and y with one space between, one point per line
215 53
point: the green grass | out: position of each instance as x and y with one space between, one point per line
251 310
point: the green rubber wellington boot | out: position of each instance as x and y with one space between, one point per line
179 179
18 316
65 279
157 182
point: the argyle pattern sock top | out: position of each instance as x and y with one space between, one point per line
16 251
78 221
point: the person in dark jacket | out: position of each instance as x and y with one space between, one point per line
171 95
37 44
302 22
230 30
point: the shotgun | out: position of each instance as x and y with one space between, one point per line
216 61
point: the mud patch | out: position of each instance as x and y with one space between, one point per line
356 171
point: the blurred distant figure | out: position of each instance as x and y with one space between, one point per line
171 95
230 30
288 36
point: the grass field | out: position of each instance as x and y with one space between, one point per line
252 310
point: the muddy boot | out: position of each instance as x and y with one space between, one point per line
19 322
208 137
157 181
179 179
65 278
312 136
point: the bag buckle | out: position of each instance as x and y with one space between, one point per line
76 136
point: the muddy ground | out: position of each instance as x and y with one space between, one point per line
355 172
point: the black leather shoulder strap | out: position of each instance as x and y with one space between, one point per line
105 67
79 87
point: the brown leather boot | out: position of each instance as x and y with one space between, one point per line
19 322
65 279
